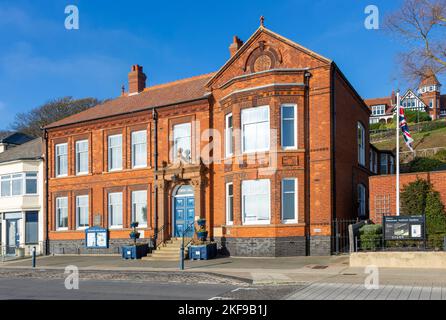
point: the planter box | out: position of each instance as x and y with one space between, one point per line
135 252
203 252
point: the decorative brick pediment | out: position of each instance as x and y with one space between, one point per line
264 57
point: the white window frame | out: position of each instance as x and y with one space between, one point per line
116 226
229 136
243 131
294 106
26 178
78 227
361 144
257 222
78 172
144 165
6 178
296 208
22 176
175 145
58 208
57 156
19 178
379 110
228 197
110 169
140 225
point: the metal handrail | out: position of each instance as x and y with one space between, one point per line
157 237
191 226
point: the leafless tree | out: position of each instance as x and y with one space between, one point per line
32 121
422 26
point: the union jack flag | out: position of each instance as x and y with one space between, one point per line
405 129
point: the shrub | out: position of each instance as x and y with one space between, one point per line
377 126
435 215
433 125
436 241
413 197
419 198
424 164
441 155
371 236
416 116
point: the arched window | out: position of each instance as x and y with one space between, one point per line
361 201
185 190
361 144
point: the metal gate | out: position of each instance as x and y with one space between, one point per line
340 235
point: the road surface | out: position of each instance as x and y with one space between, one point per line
44 289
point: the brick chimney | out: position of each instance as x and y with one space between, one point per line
393 98
137 80
235 45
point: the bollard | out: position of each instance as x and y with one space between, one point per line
34 256
182 255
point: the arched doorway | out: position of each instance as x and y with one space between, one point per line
183 210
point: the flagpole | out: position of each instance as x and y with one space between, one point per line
398 102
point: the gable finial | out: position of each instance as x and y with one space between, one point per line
262 21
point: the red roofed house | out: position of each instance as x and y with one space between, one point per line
271 150
427 98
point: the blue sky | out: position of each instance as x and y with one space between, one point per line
41 60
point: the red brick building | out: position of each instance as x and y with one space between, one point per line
288 154
427 98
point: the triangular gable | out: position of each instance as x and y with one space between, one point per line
411 95
262 30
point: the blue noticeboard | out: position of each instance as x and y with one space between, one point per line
96 238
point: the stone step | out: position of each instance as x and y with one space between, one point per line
161 258
167 249
165 254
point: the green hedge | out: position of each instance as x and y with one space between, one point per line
440 155
371 236
424 164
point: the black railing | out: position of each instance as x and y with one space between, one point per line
159 237
378 243
340 235
183 244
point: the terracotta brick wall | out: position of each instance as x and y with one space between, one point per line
349 174
383 191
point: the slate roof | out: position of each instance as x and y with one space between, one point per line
31 150
15 138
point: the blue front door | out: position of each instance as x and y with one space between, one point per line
184 214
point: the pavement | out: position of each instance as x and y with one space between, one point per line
286 270
295 278
349 291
